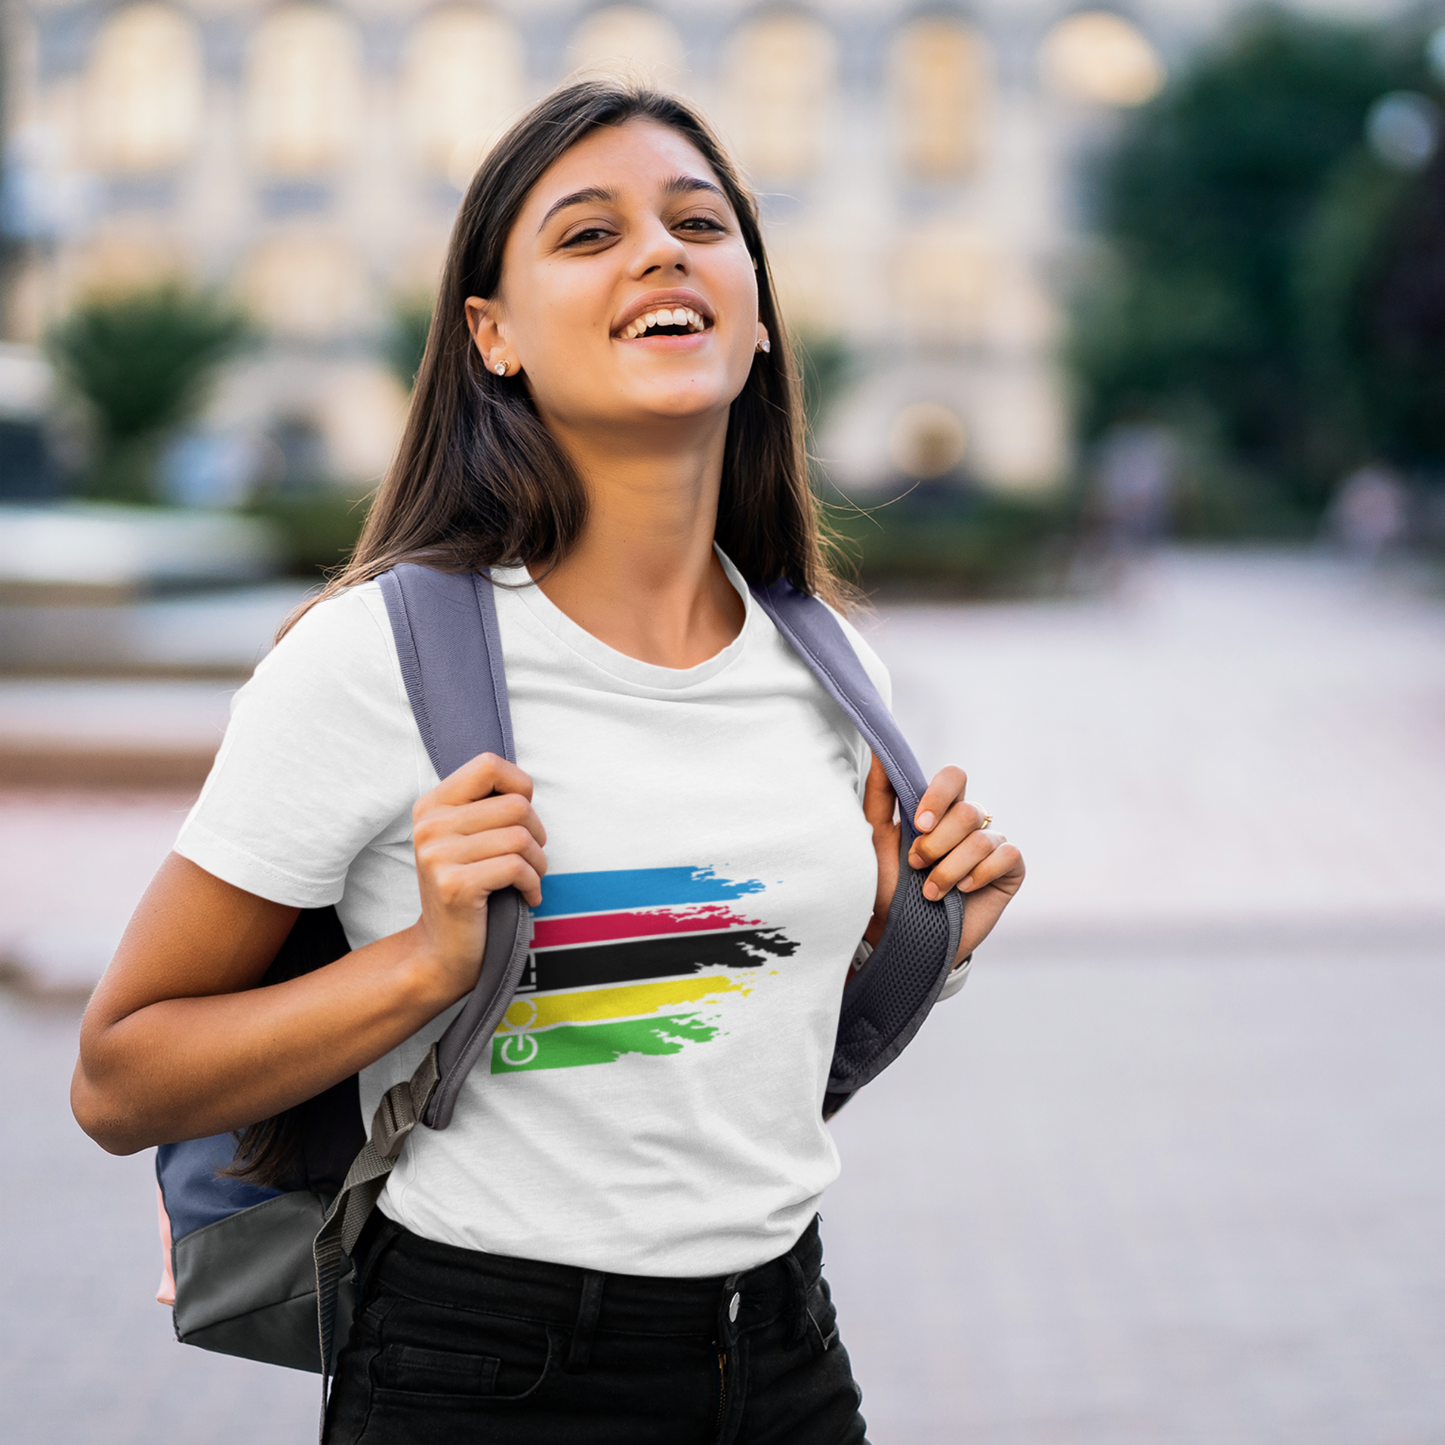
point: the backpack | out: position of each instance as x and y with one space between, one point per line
264 1273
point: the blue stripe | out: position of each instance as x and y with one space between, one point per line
621 888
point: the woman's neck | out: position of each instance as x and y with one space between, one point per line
644 578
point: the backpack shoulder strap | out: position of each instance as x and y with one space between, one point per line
450 648
886 1004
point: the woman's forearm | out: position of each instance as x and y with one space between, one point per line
179 1041
183 1068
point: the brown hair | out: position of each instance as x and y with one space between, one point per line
479 480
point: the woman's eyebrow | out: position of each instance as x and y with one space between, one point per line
578 198
679 185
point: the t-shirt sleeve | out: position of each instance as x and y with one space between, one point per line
320 758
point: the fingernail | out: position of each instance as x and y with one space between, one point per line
930 892
924 822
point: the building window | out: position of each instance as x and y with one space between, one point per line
1100 57
303 90
462 81
939 78
144 91
305 285
781 75
944 275
629 43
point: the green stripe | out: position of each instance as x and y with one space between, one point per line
571 1044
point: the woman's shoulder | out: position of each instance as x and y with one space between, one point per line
343 641
354 620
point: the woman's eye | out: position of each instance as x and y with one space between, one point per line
588 237
699 225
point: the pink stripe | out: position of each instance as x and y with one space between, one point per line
600 927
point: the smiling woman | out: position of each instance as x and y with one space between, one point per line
491 465
614 1236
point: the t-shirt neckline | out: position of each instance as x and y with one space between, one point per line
517 582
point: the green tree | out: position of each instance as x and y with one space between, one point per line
143 361
1211 208
405 340
1390 355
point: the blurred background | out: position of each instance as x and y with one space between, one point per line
1124 344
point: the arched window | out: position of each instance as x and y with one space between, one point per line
631 43
144 90
303 90
943 276
939 77
304 284
1098 56
462 79
781 75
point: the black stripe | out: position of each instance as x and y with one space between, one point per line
640 958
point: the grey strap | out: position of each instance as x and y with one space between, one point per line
450 649
397 1114
886 1003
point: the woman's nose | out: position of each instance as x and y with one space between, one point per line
660 251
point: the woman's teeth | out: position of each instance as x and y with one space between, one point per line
665 316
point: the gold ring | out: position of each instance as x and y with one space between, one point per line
987 819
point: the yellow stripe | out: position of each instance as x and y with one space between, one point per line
540 1011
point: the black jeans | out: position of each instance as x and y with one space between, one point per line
452 1345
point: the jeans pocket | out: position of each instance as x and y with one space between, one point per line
460 1353
439 1372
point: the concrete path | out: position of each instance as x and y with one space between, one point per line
1167 1171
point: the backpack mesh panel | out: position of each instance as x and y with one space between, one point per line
885 1007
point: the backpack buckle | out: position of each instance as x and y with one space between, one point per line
401 1108
396 1117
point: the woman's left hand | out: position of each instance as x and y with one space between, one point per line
953 843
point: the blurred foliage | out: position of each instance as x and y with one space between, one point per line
319 523
142 360
824 364
405 341
1242 296
1390 363
941 542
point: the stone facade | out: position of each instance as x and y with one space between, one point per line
916 168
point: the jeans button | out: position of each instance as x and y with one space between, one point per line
733 1305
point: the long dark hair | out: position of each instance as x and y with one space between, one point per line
479 480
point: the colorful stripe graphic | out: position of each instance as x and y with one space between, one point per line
600 927
637 888
622 962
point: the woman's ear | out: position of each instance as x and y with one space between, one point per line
489 336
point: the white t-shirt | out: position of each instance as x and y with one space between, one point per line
651 1102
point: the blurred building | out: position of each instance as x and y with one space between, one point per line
916 167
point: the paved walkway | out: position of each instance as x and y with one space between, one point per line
1168 1170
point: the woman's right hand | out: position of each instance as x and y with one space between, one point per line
473 834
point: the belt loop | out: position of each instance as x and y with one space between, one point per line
800 1301
589 1308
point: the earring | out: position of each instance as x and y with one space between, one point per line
763 344
500 368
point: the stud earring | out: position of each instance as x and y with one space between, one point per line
500 368
763 344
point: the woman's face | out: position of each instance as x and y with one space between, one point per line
630 223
